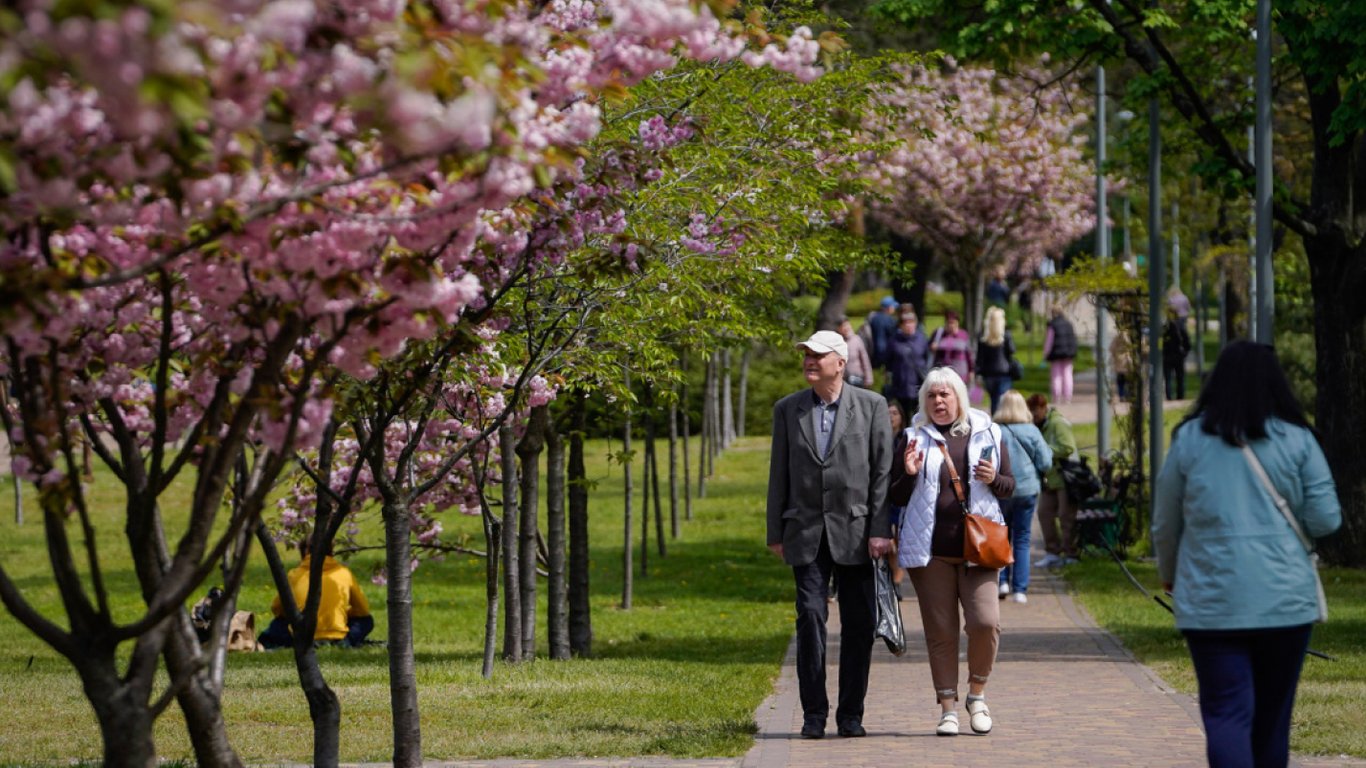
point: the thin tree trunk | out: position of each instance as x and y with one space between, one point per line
673 468
529 451
717 428
493 545
627 567
727 411
200 699
580 613
659 507
402 667
557 611
745 359
324 709
704 416
512 604
687 432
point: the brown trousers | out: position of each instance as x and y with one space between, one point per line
1056 511
940 587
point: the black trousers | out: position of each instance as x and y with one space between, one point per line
857 617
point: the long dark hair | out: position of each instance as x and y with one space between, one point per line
1246 388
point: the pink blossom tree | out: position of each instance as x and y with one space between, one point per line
215 211
990 171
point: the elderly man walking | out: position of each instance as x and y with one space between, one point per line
827 482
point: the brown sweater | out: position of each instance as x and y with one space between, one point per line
947 539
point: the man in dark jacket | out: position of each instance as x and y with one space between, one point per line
827 484
882 325
908 360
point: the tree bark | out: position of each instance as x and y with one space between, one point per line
745 359
686 407
512 604
1336 276
704 416
836 299
923 261
627 567
121 711
673 469
529 451
727 409
580 609
493 545
557 611
402 669
324 709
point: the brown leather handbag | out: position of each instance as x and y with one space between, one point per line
985 542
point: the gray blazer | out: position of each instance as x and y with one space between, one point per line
843 494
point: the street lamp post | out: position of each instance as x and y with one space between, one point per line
1102 253
1156 279
1266 284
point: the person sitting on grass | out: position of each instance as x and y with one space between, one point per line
343 612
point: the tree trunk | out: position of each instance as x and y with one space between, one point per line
627 567
402 669
529 451
324 709
836 300
744 389
704 415
718 436
913 293
200 699
122 713
1340 346
512 604
727 411
652 459
557 611
673 469
687 430
493 545
580 611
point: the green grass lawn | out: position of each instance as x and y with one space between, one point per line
1329 718
680 674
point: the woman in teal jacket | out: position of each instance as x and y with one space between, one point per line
1244 590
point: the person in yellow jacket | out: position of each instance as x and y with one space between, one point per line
343 613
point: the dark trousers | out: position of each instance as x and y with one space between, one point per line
996 386
1247 682
1175 379
856 601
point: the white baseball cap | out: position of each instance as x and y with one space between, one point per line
826 341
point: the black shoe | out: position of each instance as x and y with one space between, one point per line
852 730
813 731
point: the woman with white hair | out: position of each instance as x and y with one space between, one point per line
953 463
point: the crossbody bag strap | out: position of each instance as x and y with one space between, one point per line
953 478
1277 499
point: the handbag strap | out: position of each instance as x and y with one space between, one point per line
953 478
1277 499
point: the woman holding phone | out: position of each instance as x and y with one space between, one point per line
951 462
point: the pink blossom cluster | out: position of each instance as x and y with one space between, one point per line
656 134
997 177
796 56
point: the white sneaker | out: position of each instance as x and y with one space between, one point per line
1019 597
1068 561
981 716
948 724
1048 561
1003 590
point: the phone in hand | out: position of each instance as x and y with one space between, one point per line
986 453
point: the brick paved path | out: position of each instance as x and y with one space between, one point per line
1063 693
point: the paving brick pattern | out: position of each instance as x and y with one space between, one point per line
1063 693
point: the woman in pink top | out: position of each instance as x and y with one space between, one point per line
952 347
